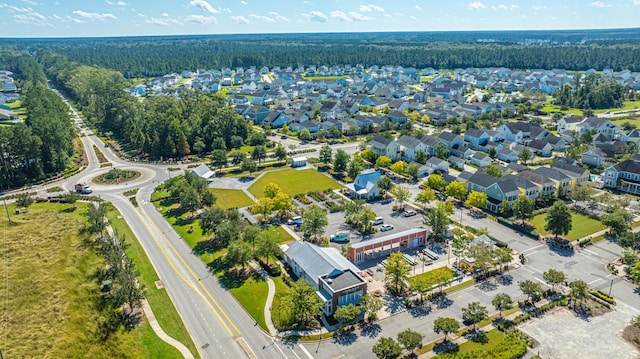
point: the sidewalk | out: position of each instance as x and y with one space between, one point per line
271 293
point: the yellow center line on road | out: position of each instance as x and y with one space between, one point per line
190 271
166 256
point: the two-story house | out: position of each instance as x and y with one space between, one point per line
383 146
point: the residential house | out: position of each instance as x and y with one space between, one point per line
623 176
257 113
503 189
275 119
541 148
599 125
594 157
450 139
507 155
456 162
480 160
409 146
576 173
568 124
397 117
476 138
438 164
559 178
546 186
335 279
383 146
329 109
365 185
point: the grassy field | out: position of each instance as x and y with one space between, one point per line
252 294
582 225
53 296
626 105
322 78
231 198
490 340
158 299
437 275
293 182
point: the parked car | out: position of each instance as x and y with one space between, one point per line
377 221
340 236
295 220
409 213
441 197
386 227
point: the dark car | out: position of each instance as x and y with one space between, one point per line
441 197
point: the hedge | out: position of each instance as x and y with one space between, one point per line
518 228
602 295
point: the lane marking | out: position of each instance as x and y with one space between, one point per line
594 253
166 256
541 281
593 281
191 271
305 351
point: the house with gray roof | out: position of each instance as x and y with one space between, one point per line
337 281
383 146
409 146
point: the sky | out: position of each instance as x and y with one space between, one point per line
91 18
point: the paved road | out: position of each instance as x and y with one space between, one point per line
215 321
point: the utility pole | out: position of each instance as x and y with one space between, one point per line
610 288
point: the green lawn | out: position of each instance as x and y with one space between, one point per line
158 299
582 225
490 340
626 105
322 78
286 237
437 276
293 182
252 295
634 121
231 198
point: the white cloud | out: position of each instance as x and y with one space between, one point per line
476 5
505 7
32 18
636 2
370 8
359 17
413 17
278 17
263 18
340 15
204 5
30 2
599 4
201 19
95 15
14 8
539 7
118 3
162 21
66 19
240 19
243 2
418 8
317 16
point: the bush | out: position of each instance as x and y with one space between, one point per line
585 242
602 295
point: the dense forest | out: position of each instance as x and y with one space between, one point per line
593 92
159 126
154 56
42 145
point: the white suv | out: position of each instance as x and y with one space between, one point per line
386 227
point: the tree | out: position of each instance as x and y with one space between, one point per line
581 192
208 198
347 314
492 152
271 190
619 220
523 207
578 290
258 154
267 245
410 339
630 240
493 170
210 218
285 129
441 151
635 321
421 157
425 197
280 153
503 256
384 183
383 161
354 167
438 218
283 204
396 272
249 166
72 198
502 302
219 158
530 288
477 199
238 252
474 313
371 305
412 170
314 220
554 277
421 284
524 156
558 219
304 135
96 216
387 348
399 167
237 157
24 200
190 201
635 272
458 246
445 326
436 182
325 154
303 303
456 190
368 155
263 207
402 194
340 161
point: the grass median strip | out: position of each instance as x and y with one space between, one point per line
161 304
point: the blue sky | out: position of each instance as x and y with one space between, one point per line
62 18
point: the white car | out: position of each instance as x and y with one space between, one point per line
410 213
386 227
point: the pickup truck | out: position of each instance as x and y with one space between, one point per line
83 188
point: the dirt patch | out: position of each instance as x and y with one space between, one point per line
632 335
